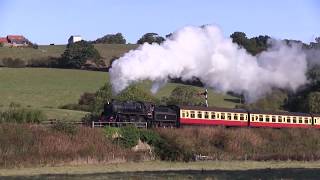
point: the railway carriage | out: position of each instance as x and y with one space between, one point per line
280 119
316 120
195 115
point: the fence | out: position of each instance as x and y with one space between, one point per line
119 124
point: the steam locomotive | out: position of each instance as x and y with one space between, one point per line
136 111
176 116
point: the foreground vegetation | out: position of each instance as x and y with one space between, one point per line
25 145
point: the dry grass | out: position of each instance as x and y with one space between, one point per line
23 145
246 143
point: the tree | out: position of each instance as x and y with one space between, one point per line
112 39
313 75
184 95
313 102
317 39
150 38
240 38
136 93
76 55
254 45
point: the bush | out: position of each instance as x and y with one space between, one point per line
13 63
65 127
50 62
16 114
149 136
129 136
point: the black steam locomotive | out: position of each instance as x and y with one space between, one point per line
136 111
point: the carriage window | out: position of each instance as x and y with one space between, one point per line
315 120
229 116
183 114
279 118
206 115
222 116
300 119
246 117
267 119
241 117
199 114
273 119
257 117
288 119
260 118
252 118
306 120
213 115
187 114
294 120
235 117
192 114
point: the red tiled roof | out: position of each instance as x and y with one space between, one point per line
15 37
3 40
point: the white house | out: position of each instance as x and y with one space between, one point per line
74 38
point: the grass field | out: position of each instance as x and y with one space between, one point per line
107 51
50 88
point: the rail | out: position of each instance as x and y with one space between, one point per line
119 124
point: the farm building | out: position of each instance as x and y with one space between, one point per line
14 40
74 38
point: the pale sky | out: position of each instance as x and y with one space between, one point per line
53 21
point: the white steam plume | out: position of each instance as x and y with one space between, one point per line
204 52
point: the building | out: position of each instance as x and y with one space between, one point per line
74 38
14 40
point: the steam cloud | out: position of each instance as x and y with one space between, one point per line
204 52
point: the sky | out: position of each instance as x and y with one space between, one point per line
54 21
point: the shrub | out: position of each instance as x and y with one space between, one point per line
50 62
149 136
13 63
17 114
129 136
111 132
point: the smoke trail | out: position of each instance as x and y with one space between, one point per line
204 52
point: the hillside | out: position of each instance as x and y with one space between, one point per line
48 89
107 51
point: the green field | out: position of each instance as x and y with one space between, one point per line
107 51
50 88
